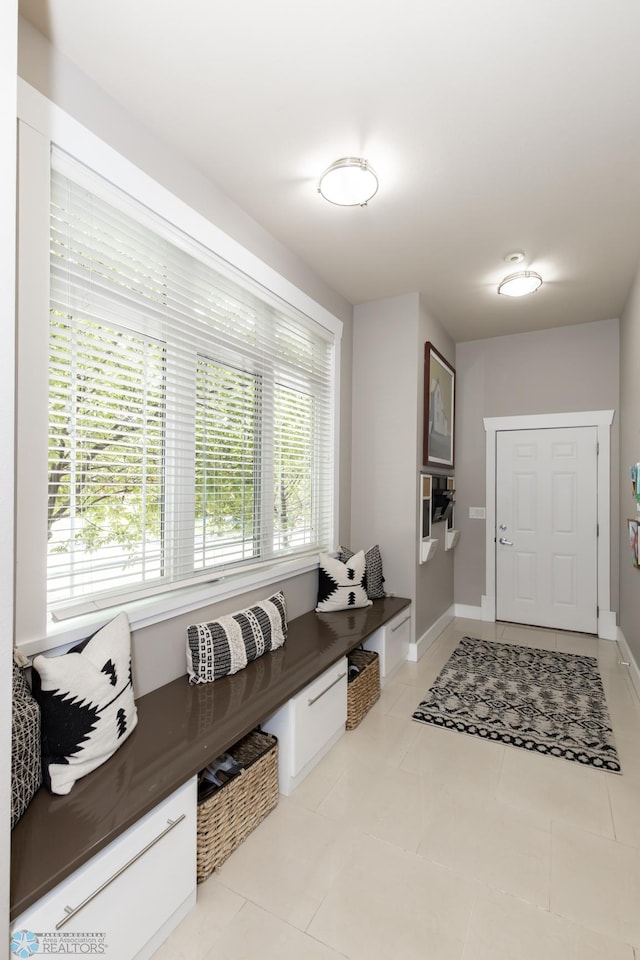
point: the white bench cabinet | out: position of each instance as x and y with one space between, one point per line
180 729
391 643
309 724
135 891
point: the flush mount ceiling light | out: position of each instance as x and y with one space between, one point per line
520 284
349 182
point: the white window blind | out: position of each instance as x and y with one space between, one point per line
190 411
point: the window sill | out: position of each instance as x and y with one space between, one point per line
151 610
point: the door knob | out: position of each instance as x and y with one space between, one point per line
506 543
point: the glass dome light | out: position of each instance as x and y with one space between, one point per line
349 182
520 284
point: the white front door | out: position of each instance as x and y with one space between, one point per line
546 528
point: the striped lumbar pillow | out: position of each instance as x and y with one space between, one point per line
226 645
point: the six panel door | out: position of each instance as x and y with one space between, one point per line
546 528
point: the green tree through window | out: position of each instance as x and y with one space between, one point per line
190 412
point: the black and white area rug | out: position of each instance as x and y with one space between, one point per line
540 700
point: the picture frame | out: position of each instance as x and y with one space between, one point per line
439 409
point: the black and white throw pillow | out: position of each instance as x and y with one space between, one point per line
341 585
86 704
26 761
226 645
374 579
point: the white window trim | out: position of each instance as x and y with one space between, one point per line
43 123
74 138
152 610
602 420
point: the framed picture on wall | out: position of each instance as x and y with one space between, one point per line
439 409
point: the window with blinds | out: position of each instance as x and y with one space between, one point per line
190 411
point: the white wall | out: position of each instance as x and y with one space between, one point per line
8 55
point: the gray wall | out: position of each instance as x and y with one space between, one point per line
434 580
551 371
384 467
629 619
388 365
158 651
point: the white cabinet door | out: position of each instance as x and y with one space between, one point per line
318 713
391 643
116 904
309 724
398 637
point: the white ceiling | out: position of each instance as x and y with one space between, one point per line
493 126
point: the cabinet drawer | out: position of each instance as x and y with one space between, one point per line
128 891
317 713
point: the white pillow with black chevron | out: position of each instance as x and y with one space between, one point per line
341 586
86 704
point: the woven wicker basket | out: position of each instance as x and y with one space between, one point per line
364 689
228 816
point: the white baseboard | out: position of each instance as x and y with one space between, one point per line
607 627
420 647
468 612
634 670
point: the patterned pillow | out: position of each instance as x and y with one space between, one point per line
86 703
226 645
26 763
341 585
374 582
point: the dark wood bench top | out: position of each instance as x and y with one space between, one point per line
181 728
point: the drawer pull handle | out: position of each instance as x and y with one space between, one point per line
72 911
402 622
312 700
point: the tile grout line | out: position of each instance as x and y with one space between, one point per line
481 888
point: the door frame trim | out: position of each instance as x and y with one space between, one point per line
602 420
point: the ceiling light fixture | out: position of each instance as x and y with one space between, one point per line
349 182
520 284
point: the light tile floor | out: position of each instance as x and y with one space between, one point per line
416 843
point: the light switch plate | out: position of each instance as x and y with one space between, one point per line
477 513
